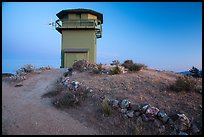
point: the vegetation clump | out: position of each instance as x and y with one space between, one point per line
195 72
131 66
116 70
184 83
98 69
106 108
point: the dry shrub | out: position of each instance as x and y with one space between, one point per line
131 66
136 67
28 68
65 99
106 108
184 83
83 65
98 69
116 70
127 63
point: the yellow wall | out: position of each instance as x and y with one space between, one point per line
74 16
79 39
90 16
70 58
84 16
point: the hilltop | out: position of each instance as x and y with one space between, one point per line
36 96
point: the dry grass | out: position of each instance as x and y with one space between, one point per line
106 108
184 83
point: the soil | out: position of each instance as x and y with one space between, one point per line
24 111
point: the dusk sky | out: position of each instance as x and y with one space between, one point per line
161 35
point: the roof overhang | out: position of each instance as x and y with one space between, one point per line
62 13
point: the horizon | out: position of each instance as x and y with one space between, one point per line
161 35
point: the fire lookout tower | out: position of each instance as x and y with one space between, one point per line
80 28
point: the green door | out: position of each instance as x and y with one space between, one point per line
70 58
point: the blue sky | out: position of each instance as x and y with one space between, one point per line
161 35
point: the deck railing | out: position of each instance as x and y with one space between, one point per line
89 23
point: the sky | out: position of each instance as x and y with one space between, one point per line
161 35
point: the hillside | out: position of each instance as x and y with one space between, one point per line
147 86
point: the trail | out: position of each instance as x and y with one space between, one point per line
25 112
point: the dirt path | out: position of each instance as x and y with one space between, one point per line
25 112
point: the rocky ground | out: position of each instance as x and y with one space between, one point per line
148 86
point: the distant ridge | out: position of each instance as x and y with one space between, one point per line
188 73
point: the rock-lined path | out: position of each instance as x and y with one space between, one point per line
25 112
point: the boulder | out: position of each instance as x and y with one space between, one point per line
184 122
124 104
115 103
123 110
182 133
151 112
144 107
130 113
163 117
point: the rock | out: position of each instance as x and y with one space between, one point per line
115 103
182 133
19 85
124 110
162 116
75 85
184 122
144 108
28 68
151 112
130 113
68 72
124 104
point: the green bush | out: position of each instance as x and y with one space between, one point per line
131 66
127 63
98 69
106 108
184 83
66 99
135 67
195 72
115 70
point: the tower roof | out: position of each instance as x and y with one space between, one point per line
62 13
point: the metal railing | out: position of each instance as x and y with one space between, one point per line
77 23
89 23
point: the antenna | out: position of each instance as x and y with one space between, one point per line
51 24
